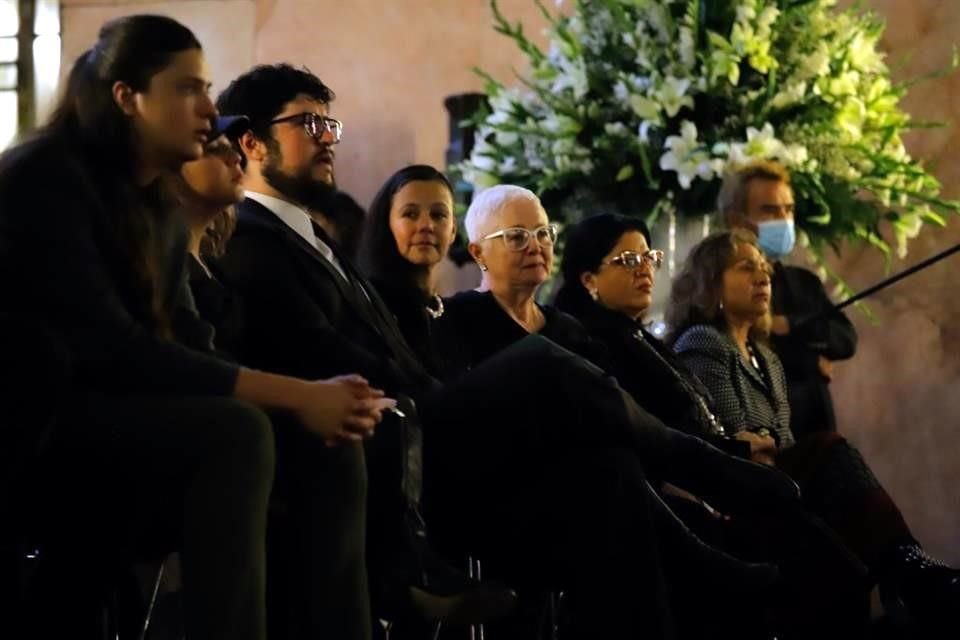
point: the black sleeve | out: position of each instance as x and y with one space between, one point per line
47 240
286 329
818 325
739 448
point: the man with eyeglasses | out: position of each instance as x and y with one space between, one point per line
307 309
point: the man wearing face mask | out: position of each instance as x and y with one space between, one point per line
808 333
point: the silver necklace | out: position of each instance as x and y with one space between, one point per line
435 313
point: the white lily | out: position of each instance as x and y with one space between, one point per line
644 107
673 96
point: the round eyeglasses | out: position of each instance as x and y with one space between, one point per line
633 260
518 238
316 125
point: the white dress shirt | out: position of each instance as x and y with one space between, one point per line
301 223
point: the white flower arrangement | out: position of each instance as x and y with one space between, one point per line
638 104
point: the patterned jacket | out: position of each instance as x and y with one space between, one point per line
744 398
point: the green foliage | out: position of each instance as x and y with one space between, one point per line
637 104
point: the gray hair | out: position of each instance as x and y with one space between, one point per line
488 204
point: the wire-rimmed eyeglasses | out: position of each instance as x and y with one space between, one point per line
316 125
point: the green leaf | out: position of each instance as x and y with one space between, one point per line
625 173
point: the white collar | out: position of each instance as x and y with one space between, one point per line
293 216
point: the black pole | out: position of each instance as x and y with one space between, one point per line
897 277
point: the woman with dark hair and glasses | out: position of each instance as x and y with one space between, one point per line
162 445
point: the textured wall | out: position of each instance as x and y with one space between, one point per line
392 63
899 398
224 27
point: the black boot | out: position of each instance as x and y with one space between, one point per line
728 483
929 589
408 579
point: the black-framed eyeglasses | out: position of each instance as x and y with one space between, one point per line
518 238
632 259
315 125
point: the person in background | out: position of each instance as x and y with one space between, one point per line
161 445
806 331
343 220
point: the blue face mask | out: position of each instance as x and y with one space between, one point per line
776 238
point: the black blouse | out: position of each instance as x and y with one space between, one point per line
478 328
421 331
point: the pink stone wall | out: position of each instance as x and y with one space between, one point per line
392 63
899 398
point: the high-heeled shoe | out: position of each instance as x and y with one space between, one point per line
713 567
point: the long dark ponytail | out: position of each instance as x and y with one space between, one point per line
131 50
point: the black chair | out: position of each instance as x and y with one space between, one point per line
36 369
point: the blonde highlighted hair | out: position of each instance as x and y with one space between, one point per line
732 200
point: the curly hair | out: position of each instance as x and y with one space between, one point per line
261 93
214 242
695 296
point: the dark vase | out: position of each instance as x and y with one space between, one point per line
461 107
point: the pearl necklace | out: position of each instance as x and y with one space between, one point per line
439 310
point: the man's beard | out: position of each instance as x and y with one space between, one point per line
301 187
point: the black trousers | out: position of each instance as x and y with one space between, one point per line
521 470
129 478
317 582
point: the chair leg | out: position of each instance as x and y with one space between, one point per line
153 600
474 572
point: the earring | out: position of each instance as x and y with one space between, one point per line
594 294
482 266
721 305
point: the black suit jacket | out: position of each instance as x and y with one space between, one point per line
58 262
816 329
303 318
